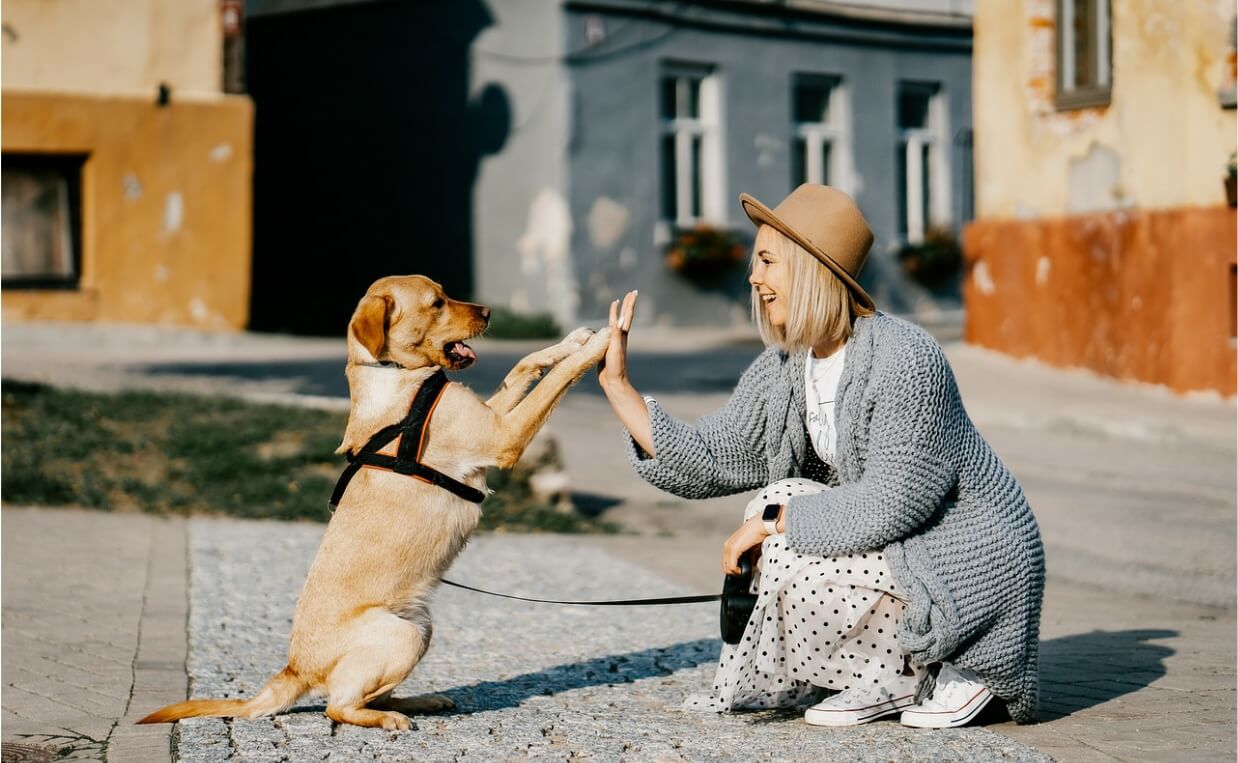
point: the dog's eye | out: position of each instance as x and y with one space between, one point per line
437 303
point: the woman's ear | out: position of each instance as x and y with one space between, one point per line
369 324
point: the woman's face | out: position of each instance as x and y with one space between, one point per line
770 277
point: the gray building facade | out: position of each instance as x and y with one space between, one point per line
634 121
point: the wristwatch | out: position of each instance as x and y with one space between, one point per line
769 518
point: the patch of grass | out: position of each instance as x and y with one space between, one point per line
182 454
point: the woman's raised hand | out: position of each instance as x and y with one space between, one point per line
613 370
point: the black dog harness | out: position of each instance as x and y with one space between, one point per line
399 447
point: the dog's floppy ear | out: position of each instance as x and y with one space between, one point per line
369 324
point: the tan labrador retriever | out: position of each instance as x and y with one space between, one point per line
361 623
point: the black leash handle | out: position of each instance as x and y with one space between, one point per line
696 599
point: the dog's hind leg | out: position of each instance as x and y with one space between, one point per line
381 654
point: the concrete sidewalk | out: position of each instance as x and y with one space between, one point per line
1134 489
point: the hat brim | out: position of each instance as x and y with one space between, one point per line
760 215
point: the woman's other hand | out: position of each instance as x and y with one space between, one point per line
613 370
751 533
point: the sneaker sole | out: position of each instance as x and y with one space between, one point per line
815 717
947 719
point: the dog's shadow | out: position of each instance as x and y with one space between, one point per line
599 671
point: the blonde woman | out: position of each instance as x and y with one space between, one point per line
900 565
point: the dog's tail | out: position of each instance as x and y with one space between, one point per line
278 695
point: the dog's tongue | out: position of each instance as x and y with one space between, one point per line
464 351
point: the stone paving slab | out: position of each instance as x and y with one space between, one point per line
529 681
94 611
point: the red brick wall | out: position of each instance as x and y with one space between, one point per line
1146 296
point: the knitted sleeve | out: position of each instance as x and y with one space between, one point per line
908 467
722 454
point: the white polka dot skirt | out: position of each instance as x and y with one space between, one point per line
818 622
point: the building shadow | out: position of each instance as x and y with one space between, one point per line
367 145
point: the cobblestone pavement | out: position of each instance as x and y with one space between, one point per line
529 681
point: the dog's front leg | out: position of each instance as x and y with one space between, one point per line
530 369
517 428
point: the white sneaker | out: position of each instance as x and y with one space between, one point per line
958 698
861 704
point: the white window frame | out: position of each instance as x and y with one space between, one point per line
914 140
707 126
835 131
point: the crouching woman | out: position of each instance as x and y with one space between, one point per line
899 563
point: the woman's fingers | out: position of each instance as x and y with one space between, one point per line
614 313
629 309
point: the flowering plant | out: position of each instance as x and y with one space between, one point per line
704 251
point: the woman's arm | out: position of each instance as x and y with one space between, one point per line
721 454
627 403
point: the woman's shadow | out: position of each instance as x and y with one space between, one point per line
1087 669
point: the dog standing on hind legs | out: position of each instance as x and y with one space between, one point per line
361 622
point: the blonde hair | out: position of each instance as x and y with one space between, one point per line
819 304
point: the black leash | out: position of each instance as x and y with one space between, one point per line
698 598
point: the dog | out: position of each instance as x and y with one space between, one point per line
361 622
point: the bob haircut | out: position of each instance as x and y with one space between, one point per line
819 304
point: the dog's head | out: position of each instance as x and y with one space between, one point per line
410 321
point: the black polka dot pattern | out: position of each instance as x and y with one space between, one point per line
826 622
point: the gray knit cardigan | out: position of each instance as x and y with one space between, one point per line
913 477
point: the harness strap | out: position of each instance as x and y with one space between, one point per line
411 431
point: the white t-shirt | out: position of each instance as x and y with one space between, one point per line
821 376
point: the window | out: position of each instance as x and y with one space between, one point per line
41 226
1083 53
691 158
922 160
821 140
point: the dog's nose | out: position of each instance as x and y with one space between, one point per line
485 313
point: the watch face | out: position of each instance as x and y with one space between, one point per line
771 512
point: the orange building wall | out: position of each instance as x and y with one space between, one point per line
1139 295
165 206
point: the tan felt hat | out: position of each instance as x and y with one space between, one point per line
827 223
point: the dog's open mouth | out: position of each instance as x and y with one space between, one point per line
460 354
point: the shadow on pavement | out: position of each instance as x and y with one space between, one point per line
611 669
714 370
1087 669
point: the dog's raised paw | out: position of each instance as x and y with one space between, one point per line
579 336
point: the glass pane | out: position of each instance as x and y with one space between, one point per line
696 176
924 185
37 228
900 162
669 207
667 100
799 156
812 101
913 106
693 106
1085 41
825 162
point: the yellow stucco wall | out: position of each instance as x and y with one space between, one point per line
111 46
1162 142
165 206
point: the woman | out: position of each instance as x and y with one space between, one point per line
900 563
